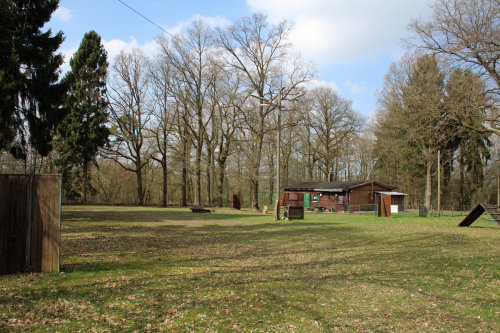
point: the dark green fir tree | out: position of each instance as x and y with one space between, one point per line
83 132
31 94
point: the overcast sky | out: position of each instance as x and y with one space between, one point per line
352 42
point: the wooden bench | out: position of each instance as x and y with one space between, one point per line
200 209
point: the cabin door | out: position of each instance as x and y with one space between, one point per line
306 200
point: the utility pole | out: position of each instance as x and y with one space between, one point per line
278 164
439 182
276 215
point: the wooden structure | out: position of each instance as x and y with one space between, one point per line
235 201
30 223
384 205
339 196
294 212
355 209
492 210
200 209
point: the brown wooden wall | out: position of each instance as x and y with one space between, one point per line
294 199
13 222
44 242
363 195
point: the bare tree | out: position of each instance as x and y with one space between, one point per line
163 108
181 145
362 150
306 136
334 123
190 56
260 51
228 101
129 114
466 32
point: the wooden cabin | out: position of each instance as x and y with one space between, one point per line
340 196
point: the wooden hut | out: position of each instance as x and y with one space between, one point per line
340 195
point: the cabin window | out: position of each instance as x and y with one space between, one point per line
341 199
294 197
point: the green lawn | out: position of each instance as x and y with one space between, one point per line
153 269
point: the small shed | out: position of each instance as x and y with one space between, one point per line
339 195
397 198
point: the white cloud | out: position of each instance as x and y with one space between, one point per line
151 47
322 83
339 31
355 88
213 22
115 46
63 14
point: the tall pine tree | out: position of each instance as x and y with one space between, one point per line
30 92
467 101
84 130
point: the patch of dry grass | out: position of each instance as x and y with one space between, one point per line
153 269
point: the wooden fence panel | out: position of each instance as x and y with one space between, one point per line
13 222
43 238
46 217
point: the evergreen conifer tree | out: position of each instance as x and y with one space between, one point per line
84 130
30 92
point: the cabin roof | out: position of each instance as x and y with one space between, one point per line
339 186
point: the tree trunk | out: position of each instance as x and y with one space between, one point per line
140 195
254 189
428 186
164 185
310 165
197 185
462 181
254 181
185 157
220 185
85 181
271 179
209 176
498 179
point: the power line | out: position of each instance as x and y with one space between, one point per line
144 17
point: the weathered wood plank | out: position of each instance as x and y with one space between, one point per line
477 211
18 251
472 216
13 222
494 213
46 216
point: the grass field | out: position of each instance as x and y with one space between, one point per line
153 269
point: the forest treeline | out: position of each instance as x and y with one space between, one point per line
197 121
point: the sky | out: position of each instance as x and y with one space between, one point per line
351 42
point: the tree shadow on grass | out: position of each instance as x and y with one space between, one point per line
175 266
207 243
283 279
158 215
